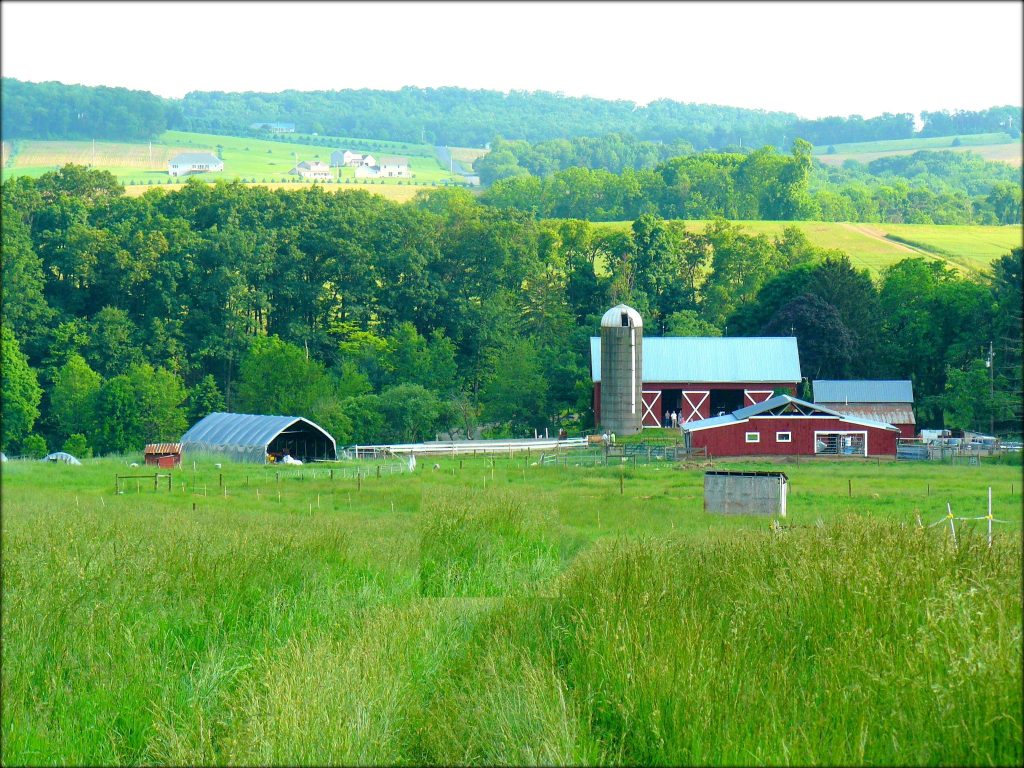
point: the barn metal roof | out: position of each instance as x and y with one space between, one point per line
195 157
778 404
890 413
863 391
244 436
713 359
163 448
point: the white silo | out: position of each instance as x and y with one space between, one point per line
622 332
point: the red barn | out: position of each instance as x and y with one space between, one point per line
703 376
786 426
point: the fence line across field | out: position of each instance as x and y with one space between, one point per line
951 517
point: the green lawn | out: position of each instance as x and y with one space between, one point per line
515 614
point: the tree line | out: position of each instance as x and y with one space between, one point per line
449 116
125 319
924 188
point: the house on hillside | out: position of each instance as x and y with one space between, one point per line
786 426
350 159
367 172
395 167
891 401
273 127
188 163
313 170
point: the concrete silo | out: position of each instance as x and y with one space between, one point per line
622 332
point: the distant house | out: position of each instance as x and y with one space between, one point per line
273 127
367 172
891 401
348 158
395 167
312 170
194 162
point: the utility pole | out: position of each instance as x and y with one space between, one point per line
990 364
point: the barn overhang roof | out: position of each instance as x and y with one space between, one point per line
784 406
713 359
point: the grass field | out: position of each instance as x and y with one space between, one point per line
998 147
968 248
252 159
508 614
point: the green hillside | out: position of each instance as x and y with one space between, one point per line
1000 147
259 160
876 246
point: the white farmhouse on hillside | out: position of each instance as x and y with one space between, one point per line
395 167
350 159
367 172
194 162
313 169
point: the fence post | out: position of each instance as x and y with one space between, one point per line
849 488
990 517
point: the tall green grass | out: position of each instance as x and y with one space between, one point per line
515 615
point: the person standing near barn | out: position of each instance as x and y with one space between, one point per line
675 419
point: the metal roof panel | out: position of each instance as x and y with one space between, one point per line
863 391
713 359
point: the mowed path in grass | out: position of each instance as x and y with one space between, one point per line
505 613
967 248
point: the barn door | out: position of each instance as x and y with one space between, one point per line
692 401
652 409
755 396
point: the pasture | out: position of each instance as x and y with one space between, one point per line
502 612
996 147
249 159
967 248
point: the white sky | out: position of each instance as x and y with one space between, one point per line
811 58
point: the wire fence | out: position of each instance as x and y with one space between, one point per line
950 517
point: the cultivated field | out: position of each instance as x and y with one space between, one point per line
997 147
968 248
508 613
256 160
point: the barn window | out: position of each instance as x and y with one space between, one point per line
784 437
753 437
625 320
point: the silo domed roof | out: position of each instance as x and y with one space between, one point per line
613 318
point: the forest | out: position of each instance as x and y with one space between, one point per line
928 187
452 116
125 319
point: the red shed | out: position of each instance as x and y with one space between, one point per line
164 455
785 426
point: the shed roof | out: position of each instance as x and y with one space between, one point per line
782 405
863 391
194 157
393 160
713 359
243 435
163 448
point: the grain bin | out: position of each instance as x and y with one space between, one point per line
622 332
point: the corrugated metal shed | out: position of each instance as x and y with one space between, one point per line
863 391
890 413
163 448
245 436
713 359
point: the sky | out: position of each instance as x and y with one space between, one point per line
810 58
